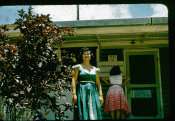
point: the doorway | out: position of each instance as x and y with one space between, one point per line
144 90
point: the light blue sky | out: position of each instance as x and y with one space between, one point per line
8 14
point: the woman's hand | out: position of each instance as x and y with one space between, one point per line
74 98
101 100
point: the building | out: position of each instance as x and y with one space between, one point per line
140 47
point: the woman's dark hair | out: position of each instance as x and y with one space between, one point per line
81 52
115 70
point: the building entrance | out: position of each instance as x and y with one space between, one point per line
144 89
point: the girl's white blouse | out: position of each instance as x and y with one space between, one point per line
115 79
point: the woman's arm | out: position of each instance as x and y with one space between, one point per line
74 79
99 88
106 80
127 79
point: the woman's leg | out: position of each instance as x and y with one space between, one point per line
118 114
112 115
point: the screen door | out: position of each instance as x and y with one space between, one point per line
143 91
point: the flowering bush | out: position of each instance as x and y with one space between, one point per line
31 74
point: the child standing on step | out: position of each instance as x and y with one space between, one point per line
116 102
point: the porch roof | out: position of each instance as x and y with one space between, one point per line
114 22
132 25
145 32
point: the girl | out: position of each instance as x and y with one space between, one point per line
86 88
116 102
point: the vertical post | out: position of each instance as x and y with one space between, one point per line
98 51
30 6
98 55
78 13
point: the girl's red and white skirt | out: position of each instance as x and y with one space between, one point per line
116 100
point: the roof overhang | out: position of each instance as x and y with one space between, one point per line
114 32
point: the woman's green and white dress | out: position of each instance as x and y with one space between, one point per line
87 94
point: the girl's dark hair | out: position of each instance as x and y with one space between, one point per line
115 70
81 52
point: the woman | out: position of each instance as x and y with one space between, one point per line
116 102
86 88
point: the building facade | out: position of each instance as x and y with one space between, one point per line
140 47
